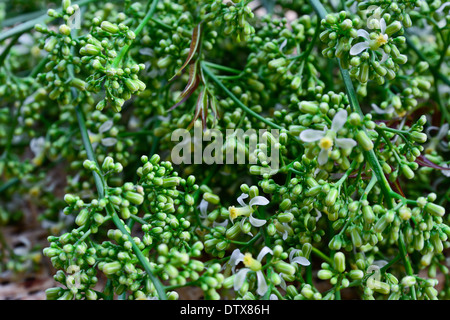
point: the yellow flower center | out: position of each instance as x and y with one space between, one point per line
233 212
251 263
325 143
236 212
94 138
381 39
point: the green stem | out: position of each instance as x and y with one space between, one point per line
222 68
138 30
8 48
321 255
101 187
236 100
351 93
24 27
142 259
406 262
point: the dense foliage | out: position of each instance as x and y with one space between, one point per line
91 93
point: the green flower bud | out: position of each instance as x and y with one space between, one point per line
378 286
339 262
90 50
308 107
51 43
284 268
277 63
82 217
285 204
435 209
364 141
67 295
285 217
407 172
211 198
356 237
331 197
111 267
53 293
64 29
356 274
368 214
324 274
381 224
189 200
409 281
109 27
393 28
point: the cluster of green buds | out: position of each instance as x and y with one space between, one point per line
179 267
103 51
375 58
233 16
340 30
400 157
399 10
61 64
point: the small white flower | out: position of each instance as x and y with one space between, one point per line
327 137
445 172
380 40
378 110
251 264
203 207
37 146
437 141
298 259
96 138
247 209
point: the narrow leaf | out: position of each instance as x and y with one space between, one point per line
191 85
424 161
193 49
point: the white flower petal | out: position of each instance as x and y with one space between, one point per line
105 126
241 198
236 257
293 252
285 235
432 128
259 201
273 296
378 110
109 142
310 135
283 282
382 25
263 252
262 284
363 33
442 132
358 48
221 224
384 57
445 172
240 278
256 222
345 143
203 207
37 145
340 118
323 157
302 261
441 8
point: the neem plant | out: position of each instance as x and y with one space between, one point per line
92 92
